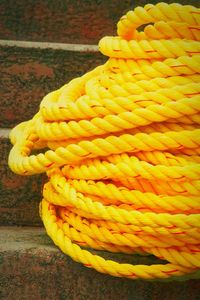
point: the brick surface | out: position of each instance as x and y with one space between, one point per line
19 196
29 74
32 268
60 21
78 21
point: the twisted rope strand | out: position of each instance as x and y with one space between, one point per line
123 143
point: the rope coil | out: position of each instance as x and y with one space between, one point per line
123 143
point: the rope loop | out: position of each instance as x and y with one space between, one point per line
120 146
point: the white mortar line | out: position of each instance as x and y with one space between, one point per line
4 132
46 45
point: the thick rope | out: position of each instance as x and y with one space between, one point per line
123 162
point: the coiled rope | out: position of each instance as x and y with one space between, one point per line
123 143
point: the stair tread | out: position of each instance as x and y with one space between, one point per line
16 238
33 268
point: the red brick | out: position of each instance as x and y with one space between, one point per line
20 195
27 75
32 268
82 21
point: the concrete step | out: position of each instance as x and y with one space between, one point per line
19 195
28 71
33 268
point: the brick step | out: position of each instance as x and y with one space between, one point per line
33 268
65 21
28 73
19 195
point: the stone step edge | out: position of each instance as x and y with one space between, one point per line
11 238
48 45
17 238
4 133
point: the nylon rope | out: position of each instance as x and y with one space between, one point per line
120 146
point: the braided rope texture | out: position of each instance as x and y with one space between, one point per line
123 143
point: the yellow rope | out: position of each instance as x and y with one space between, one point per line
123 163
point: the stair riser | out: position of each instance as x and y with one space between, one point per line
32 268
61 21
29 74
20 196
42 275
65 20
